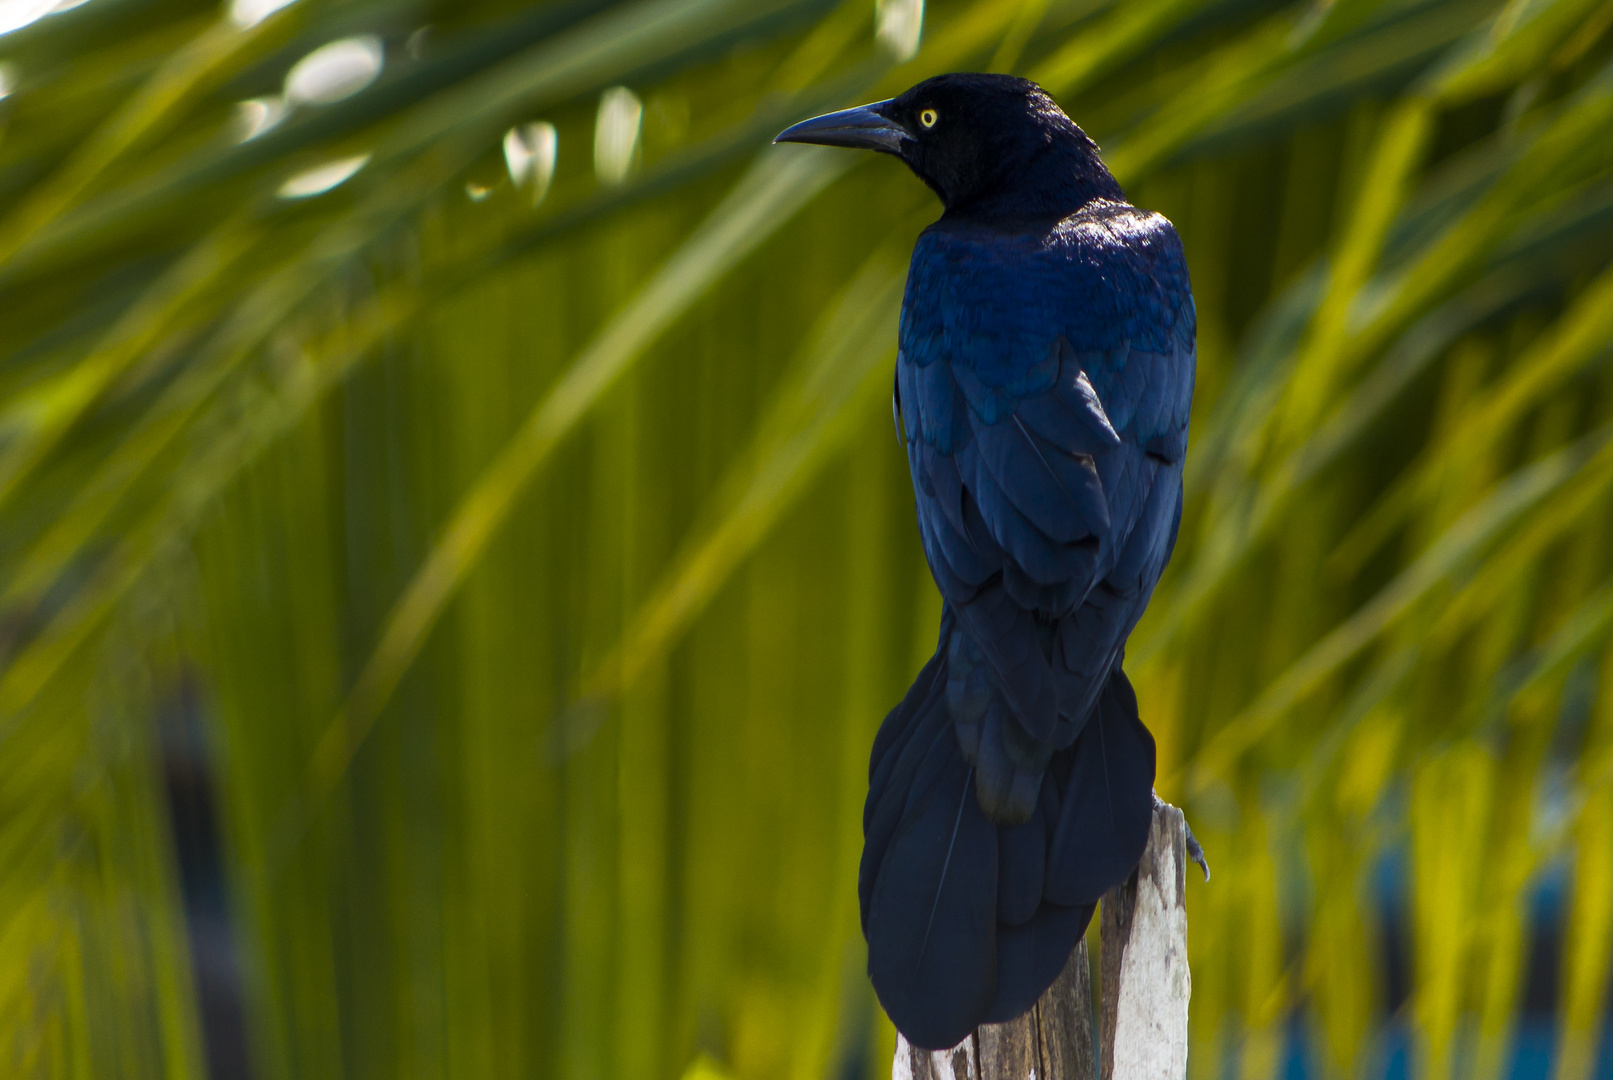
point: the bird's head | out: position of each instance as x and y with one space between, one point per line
992 143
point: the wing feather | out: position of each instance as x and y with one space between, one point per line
1044 387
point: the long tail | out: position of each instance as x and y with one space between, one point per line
968 921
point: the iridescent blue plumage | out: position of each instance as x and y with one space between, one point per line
1043 381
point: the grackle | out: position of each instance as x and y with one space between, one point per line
1043 379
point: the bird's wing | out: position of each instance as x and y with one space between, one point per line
1044 385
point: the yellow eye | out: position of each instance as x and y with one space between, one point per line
928 118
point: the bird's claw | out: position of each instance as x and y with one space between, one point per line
1195 850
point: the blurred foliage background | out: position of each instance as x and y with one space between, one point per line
454 554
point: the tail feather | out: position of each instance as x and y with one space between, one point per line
1030 957
892 786
1022 862
1108 799
896 728
969 921
931 947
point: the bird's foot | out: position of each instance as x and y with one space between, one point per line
1195 851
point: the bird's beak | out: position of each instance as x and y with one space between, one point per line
862 128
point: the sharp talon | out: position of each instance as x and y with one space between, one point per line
1194 850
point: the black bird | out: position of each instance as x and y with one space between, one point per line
1043 382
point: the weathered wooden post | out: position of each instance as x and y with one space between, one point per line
1146 983
1145 988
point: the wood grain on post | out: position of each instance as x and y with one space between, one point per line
1145 989
1146 983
